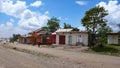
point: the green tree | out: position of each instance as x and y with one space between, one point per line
45 28
75 29
94 19
15 37
67 26
53 24
103 33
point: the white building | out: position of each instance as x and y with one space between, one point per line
70 37
113 38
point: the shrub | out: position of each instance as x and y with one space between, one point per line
105 48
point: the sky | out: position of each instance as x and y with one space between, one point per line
23 16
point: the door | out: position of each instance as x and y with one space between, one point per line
44 40
27 40
53 37
61 39
79 39
70 40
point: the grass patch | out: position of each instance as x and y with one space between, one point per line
31 52
106 50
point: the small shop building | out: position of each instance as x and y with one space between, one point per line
70 37
113 38
35 36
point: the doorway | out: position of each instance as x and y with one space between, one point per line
61 39
70 40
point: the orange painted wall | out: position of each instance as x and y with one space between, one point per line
39 38
35 40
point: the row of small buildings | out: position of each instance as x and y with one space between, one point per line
62 37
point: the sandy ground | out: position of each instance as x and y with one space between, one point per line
15 59
67 59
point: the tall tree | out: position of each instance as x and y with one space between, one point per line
94 19
53 24
67 26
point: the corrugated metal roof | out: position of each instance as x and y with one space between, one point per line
38 30
26 35
54 33
112 33
68 31
64 30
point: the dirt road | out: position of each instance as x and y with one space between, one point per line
15 59
66 59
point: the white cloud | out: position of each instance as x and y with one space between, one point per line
12 9
81 2
28 20
47 12
6 29
36 4
114 13
32 20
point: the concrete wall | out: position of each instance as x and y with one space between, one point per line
84 38
57 39
112 39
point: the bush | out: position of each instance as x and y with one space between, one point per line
105 48
119 42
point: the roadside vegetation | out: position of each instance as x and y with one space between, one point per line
106 49
95 23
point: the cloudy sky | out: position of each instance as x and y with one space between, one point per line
23 16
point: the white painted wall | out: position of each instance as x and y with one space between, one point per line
66 39
57 39
112 39
84 38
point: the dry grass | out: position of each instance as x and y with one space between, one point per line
30 52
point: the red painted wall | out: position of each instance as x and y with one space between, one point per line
53 38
